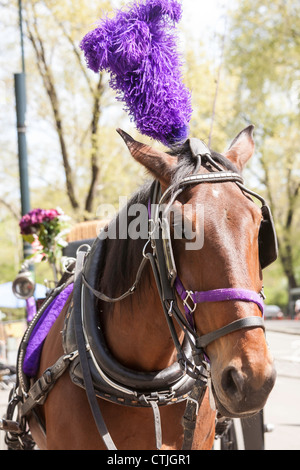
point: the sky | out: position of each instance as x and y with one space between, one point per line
201 19
202 16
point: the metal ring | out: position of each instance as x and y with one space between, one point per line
85 245
67 262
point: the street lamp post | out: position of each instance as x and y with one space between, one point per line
20 93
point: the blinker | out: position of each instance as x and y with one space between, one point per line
268 244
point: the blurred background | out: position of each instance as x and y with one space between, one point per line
242 66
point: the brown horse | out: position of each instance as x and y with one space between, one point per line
136 330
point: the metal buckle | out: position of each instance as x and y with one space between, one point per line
195 403
262 294
70 357
189 295
157 397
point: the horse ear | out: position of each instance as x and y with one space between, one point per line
158 163
242 148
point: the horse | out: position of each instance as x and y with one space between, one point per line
228 326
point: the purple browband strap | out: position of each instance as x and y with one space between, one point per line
217 295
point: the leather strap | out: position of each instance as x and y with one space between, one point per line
157 424
220 177
40 389
194 402
131 291
220 295
248 322
88 382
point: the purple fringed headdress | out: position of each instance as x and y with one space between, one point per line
138 48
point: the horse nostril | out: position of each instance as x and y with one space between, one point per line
233 382
239 391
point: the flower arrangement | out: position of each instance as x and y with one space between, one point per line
45 231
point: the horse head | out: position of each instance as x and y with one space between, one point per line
227 223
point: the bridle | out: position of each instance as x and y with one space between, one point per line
162 261
163 254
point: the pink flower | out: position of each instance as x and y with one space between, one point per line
31 221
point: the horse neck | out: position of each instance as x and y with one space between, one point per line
136 329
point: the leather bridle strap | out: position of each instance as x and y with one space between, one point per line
217 295
84 361
220 295
247 322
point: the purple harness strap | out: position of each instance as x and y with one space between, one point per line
41 330
218 295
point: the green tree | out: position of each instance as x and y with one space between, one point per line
72 113
54 37
76 159
264 51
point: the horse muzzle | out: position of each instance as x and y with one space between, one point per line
239 394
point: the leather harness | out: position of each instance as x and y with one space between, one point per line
86 354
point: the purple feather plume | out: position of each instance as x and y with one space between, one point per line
138 48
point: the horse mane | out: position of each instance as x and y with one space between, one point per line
121 257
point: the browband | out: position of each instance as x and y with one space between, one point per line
220 177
